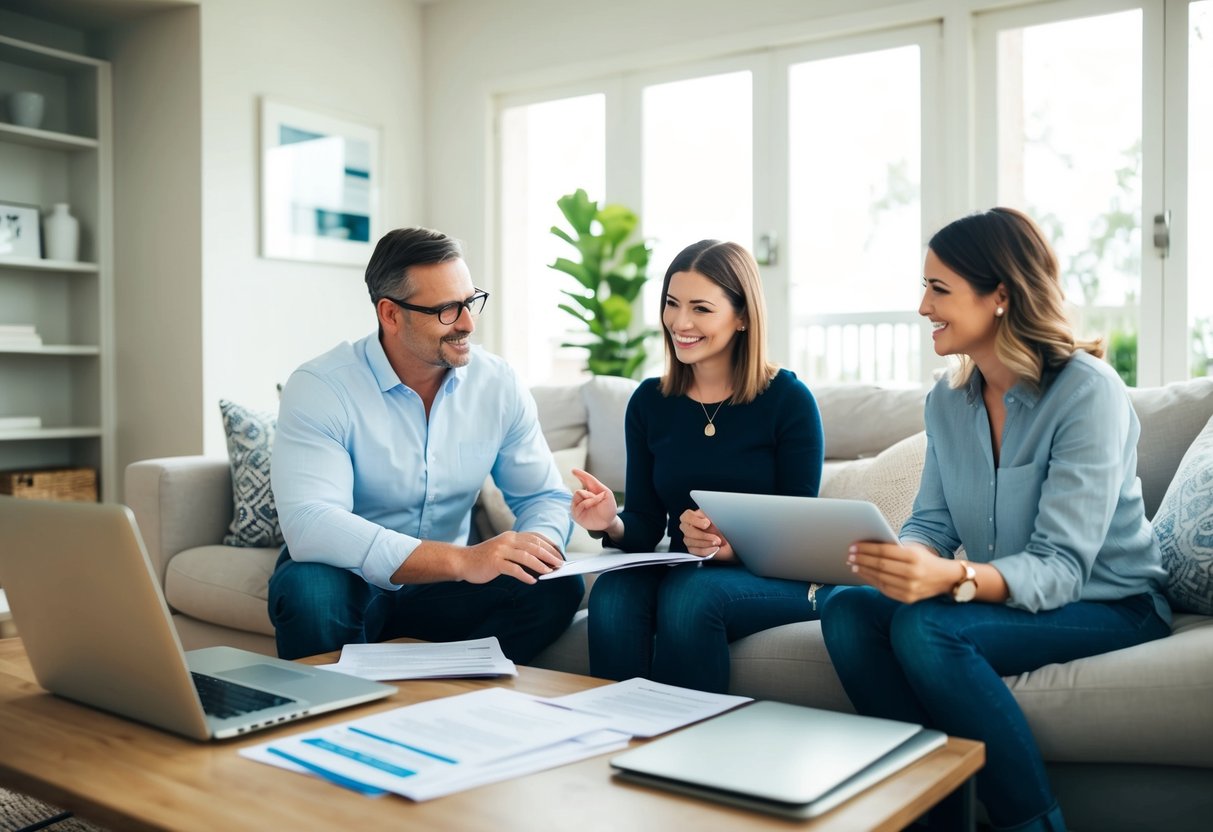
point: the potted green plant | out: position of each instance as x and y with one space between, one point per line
611 272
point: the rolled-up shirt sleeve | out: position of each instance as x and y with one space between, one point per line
313 481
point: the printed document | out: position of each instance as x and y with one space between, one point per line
620 560
645 709
445 745
390 662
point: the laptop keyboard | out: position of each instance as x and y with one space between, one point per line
223 699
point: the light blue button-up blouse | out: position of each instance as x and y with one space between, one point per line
1062 516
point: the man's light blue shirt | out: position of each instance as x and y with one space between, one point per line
361 477
1062 517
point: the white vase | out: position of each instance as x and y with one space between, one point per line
26 108
60 234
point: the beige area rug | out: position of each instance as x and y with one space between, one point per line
17 811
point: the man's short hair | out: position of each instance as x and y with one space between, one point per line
387 273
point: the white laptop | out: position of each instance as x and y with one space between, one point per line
798 538
777 758
96 628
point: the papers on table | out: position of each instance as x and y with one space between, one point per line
445 745
620 560
645 709
388 662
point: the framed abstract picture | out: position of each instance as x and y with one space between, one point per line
319 186
19 231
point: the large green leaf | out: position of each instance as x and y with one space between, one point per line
618 312
576 314
578 271
638 254
618 223
564 235
633 364
590 303
579 210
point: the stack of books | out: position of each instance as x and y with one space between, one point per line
19 335
8 423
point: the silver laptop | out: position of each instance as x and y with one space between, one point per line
97 631
798 538
782 759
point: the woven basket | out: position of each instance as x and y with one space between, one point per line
51 484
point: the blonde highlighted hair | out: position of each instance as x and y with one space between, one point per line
1005 247
733 269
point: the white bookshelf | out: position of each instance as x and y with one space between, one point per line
67 380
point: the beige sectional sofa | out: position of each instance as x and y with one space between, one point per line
1128 735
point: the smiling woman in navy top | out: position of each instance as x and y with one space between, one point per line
1031 466
721 418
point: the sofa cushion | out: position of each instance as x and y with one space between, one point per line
862 419
1184 528
223 585
1143 704
1170 416
561 414
606 403
250 438
890 479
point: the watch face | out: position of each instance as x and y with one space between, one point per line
965 591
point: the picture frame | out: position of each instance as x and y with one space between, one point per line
20 230
319 186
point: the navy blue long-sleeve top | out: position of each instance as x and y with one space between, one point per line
772 445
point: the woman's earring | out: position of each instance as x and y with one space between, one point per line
743 328
999 312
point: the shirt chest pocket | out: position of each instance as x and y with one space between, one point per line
1016 504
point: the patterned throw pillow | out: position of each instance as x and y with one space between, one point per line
250 437
1184 528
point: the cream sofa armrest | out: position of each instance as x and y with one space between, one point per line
179 502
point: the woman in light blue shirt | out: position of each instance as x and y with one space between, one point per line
1031 467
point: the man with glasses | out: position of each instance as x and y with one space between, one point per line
381 449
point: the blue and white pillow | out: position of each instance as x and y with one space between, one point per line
250 438
1183 525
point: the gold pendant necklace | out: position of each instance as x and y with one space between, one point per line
710 429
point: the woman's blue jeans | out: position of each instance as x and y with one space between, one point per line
673 624
940 664
316 608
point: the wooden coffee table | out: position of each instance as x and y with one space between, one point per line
128 776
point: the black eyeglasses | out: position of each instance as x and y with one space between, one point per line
448 313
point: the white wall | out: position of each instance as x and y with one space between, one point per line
478 48
262 318
157 235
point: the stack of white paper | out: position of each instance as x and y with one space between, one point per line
19 335
645 709
447 745
389 662
621 560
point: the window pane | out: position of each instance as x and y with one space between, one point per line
547 150
1069 142
698 171
854 216
1200 175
